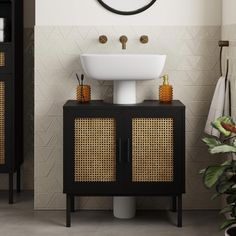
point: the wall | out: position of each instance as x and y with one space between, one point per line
164 12
187 31
228 16
229 33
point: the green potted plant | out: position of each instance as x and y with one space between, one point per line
222 177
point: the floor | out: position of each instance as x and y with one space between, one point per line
20 220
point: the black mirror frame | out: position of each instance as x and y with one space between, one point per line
127 12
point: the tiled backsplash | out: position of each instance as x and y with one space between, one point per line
193 66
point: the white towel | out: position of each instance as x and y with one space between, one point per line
218 106
2 23
1 36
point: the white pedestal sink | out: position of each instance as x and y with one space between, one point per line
124 70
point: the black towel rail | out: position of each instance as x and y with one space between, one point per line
222 44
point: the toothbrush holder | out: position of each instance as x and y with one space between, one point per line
83 93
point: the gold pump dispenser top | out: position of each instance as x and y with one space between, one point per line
165 79
165 90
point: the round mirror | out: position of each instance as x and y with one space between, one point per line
126 7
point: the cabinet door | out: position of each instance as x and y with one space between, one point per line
156 150
94 153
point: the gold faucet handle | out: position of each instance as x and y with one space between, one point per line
144 39
103 39
123 40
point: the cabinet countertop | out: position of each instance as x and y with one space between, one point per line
100 104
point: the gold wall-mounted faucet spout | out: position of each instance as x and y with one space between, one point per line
123 40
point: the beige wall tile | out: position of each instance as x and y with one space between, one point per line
193 66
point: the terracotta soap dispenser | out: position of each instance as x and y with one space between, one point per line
165 90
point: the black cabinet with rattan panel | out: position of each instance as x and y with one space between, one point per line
11 92
124 150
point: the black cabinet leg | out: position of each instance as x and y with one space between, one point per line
18 179
10 188
179 215
68 210
72 203
174 203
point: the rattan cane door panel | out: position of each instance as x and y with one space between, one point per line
152 150
5 59
2 123
95 150
2 59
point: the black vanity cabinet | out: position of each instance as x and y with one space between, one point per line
124 150
11 91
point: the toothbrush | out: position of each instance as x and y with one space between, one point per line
78 78
82 80
82 84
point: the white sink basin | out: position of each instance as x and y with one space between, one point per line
124 70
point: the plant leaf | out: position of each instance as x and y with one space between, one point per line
228 127
216 195
212 175
227 163
231 191
222 149
234 143
231 199
234 211
227 223
201 172
227 120
226 209
211 142
217 124
224 186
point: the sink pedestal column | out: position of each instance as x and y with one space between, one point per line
124 207
124 93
